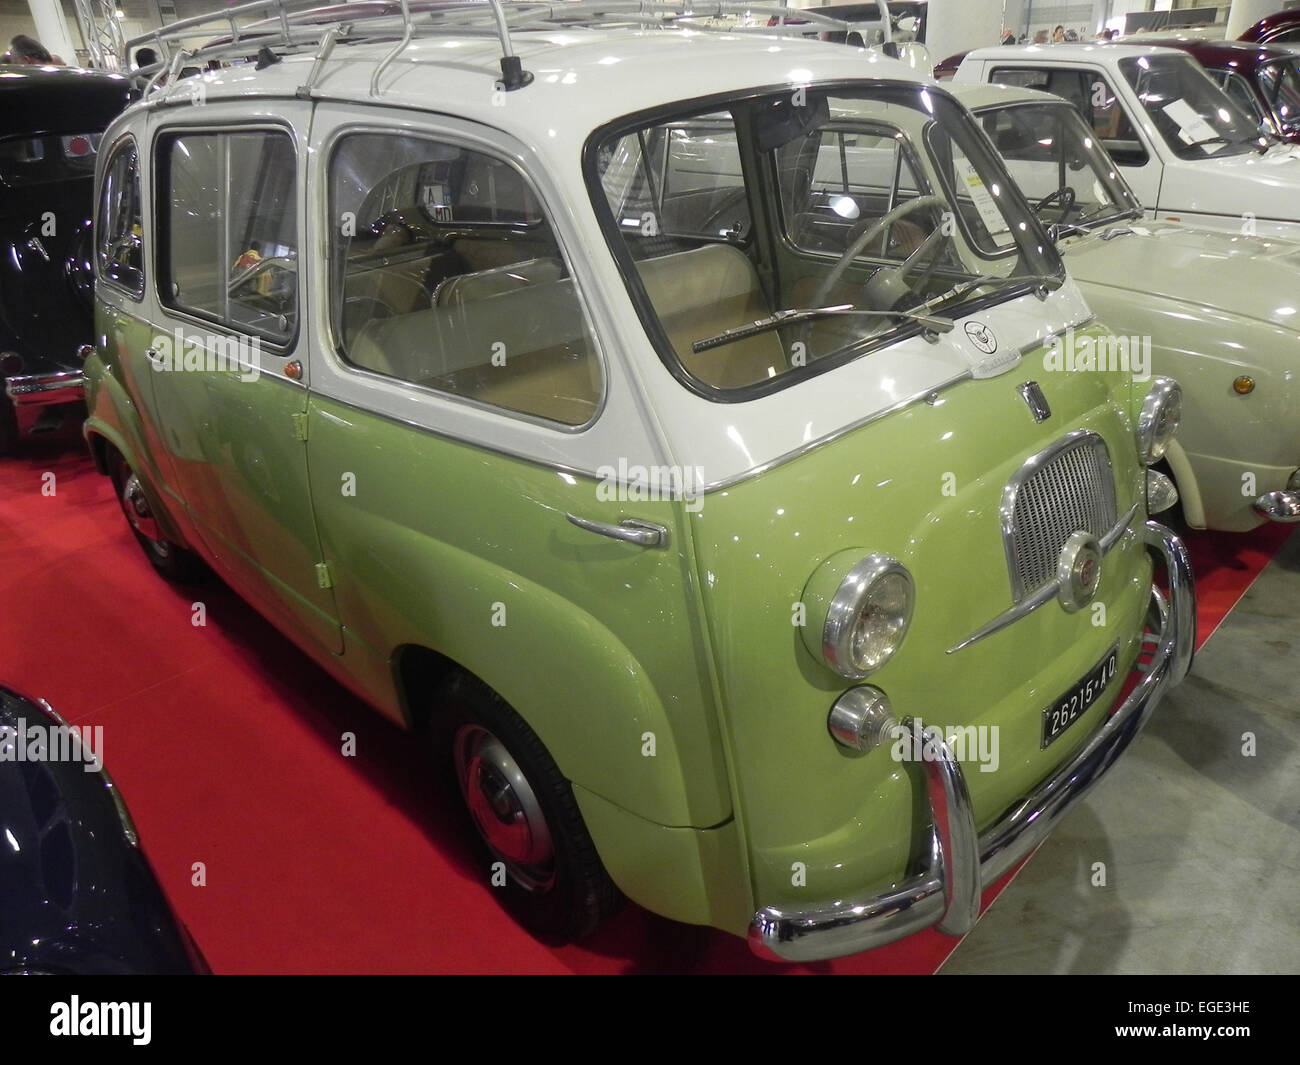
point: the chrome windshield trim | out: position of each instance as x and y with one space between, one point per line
1046 593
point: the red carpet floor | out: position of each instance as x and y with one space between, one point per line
225 742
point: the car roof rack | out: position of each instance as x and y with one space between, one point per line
277 27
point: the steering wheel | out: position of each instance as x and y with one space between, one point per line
870 234
1064 196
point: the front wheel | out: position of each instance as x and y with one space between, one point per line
542 858
171 560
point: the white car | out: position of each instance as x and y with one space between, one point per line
1188 151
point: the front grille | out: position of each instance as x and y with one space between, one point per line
1065 489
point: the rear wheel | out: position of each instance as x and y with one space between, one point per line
171 560
525 813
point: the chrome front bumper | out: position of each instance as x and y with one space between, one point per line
1278 506
40 390
963 862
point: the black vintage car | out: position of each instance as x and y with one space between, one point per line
76 892
51 120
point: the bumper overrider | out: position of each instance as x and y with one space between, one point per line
963 862
1281 506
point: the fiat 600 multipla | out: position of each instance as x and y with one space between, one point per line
656 418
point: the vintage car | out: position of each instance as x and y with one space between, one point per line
1189 152
707 508
1264 80
51 120
1216 312
77 894
1282 28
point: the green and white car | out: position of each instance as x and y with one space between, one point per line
1215 311
559 392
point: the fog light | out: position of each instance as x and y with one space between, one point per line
1161 493
862 719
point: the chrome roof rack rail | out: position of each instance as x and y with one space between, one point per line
284 26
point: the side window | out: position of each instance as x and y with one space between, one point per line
1093 97
229 251
118 241
1238 90
677 185
839 181
445 272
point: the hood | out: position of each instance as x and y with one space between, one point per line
1185 264
1267 185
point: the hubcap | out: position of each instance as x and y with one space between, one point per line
504 807
136 508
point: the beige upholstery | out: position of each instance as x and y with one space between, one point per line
699 294
466 288
525 348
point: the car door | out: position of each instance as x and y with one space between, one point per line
229 360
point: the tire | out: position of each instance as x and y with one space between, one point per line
524 812
172 561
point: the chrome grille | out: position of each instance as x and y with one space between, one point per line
1065 489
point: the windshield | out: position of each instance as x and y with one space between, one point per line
1280 82
879 208
1194 116
1059 165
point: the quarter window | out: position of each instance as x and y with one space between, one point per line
446 273
118 243
230 247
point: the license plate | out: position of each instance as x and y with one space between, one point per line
1071 706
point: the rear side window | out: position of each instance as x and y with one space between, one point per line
446 274
229 246
118 235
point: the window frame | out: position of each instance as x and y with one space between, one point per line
161 203
481 142
121 144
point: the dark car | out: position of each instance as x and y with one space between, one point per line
1282 28
1263 79
76 892
51 120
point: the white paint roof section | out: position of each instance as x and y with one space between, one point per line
1108 54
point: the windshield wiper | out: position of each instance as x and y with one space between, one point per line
780 318
1087 222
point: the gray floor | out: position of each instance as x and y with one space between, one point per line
1201 844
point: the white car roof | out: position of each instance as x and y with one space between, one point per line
974 95
1091 53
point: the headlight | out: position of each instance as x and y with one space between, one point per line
858 612
1158 419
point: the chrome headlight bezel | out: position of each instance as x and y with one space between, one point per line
1158 419
837 614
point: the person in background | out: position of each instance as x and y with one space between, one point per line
1008 37
28 51
145 57
1058 35
1040 37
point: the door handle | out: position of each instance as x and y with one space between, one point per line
631 530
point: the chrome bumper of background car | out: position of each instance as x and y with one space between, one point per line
39 390
1278 506
962 862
